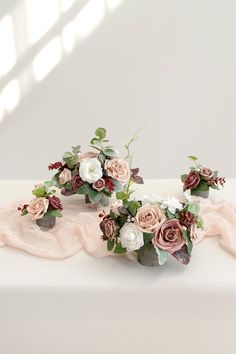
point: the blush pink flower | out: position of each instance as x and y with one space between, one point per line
118 169
99 185
88 155
149 217
65 176
206 173
37 208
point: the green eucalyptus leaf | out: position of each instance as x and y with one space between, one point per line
118 186
194 158
110 151
202 187
162 255
121 195
194 208
76 149
147 237
84 189
119 249
101 133
95 196
110 245
54 212
183 177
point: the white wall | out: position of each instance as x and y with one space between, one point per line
171 64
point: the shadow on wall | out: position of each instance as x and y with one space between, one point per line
36 35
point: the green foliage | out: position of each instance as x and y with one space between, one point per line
101 133
110 245
121 220
121 195
202 187
119 249
84 189
94 196
193 158
54 212
193 208
170 215
183 177
110 151
76 149
162 255
40 192
200 223
147 237
118 186
24 212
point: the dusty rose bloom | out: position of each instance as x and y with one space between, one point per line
169 236
108 228
192 180
76 182
118 169
65 176
99 185
37 208
88 155
149 217
206 173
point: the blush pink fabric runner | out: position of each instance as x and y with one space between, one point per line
79 229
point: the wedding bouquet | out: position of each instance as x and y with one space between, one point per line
45 207
96 174
200 179
153 229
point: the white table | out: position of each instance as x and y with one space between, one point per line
84 305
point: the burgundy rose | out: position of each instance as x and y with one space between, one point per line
76 182
192 180
99 185
109 184
169 236
187 219
55 203
206 173
108 228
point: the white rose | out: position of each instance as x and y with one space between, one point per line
171 203
90 170
65 176
131 237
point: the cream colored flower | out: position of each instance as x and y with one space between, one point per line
118 169
149 217
65 176
37 208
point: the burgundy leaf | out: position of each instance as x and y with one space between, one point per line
137 179
182 255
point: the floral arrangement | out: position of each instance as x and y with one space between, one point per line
163 227
96 174
45 203
200 179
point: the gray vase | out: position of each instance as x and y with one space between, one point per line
203 194
148 256
47 222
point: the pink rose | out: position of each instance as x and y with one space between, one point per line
149 217
88 155
99 185
115 207
169 236
118 169
192 180
37 208
65 176
206 173
108 228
